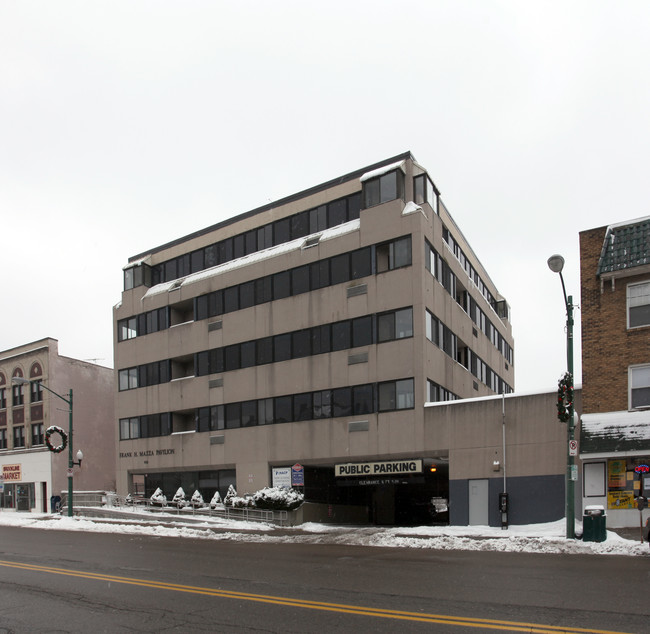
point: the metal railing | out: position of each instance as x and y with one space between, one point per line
248 514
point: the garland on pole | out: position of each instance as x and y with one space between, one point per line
54 429
564 397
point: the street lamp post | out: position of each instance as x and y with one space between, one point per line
556 264
19 380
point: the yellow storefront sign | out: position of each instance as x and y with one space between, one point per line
11 473
620 500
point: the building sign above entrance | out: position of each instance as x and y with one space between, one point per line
393 467
11 472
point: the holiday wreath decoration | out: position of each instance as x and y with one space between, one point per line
54 429
564 397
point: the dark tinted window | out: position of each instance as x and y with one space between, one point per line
337 212
246 294
361 262
340 268
283 409
300 225
362 399
342 402
300 280
249 413
247 354
302 407
264 350
233 415
281 231
301 343
282 347
231 357
341 336
263 290
361 331
231 299
281 285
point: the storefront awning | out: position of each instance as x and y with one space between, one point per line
613 432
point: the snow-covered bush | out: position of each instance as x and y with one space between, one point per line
197 500
278 499
179 498
216 500
232 493
158 499
242 503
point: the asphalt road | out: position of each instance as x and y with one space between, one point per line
57 581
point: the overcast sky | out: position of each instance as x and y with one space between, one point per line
126 124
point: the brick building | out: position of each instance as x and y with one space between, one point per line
31 473
615 308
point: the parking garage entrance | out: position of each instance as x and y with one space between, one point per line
396 492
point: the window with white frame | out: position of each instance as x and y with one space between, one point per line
639 386
638 305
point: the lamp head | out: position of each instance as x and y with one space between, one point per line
18 380
556 263
80 455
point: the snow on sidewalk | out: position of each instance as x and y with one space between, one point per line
533 538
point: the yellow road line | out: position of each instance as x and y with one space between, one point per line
512 626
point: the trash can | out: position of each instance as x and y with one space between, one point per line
594 524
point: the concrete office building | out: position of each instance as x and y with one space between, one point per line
32 474
309 331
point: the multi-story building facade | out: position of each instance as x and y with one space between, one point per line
311 330
615 307
32 474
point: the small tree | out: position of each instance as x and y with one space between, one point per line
197 500
179 498
216 500
158 499
232 493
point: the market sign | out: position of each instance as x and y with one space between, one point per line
11 473
393 467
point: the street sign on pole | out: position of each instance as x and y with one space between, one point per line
573 447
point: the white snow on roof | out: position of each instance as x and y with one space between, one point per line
633 425
380 171
412 208
625 223
135 263
259 256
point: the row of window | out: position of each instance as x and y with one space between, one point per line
439 334
357 400
466 264
436 393
341 335
284 230
303 279
438 267
18 395
38 437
